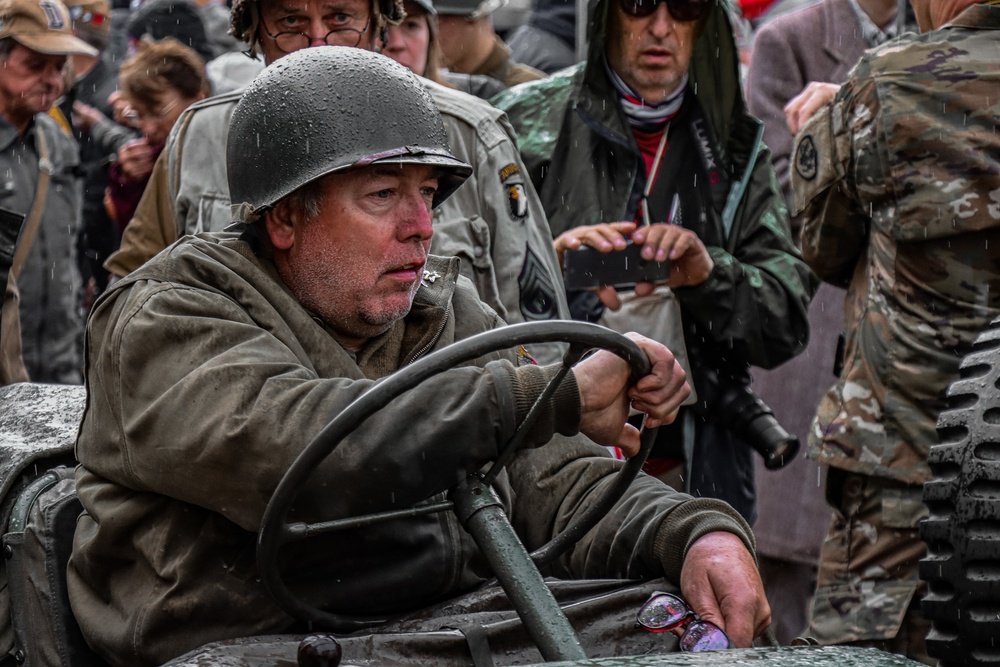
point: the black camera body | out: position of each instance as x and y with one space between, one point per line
749 418
735 405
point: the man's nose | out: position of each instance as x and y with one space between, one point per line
317 32
417 222
54 76
662 23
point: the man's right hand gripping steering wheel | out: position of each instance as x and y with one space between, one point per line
607 392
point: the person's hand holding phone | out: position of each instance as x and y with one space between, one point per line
690 263
605 237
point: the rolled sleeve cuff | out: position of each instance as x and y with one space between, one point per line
560 414
690 521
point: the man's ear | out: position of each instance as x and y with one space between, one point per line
283 222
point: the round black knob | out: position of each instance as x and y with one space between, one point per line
320 650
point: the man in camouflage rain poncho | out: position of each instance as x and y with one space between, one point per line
665 75
899 182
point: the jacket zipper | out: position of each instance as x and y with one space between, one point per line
433 340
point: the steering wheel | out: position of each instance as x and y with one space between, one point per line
277 532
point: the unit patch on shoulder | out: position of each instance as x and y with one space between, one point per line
512 180
806 158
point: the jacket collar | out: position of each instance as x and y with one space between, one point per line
979 16
440 279
9 133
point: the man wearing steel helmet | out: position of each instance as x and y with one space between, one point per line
649 141
495 223
262 337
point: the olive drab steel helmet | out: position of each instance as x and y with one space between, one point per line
329 109
244 19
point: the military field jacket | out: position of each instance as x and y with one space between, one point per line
206 378
494 222
899 184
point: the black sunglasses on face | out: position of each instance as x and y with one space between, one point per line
680 10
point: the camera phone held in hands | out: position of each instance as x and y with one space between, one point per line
588 268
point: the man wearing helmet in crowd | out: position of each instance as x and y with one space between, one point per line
495 223
262 338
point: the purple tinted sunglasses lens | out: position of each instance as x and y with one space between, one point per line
704 636
662 612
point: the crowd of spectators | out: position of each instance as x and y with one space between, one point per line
109 130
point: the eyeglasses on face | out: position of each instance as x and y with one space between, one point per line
134 116
291 41
664 612
680 10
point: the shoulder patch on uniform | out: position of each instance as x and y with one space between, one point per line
509 171
806 158
517 196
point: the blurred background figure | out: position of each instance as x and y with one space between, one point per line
88 103
754 9
471 46
38 180
547 40
215 17
416 44
158 19
227 67
158 83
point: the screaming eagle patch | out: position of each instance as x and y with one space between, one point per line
512 179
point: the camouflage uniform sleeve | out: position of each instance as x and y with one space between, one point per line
824 179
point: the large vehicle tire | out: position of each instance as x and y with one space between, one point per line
962 566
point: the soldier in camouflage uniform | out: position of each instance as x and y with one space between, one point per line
899 182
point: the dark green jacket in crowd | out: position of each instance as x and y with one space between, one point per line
583 160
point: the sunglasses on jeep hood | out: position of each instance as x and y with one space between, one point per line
680 10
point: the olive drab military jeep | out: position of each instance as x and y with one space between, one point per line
39 509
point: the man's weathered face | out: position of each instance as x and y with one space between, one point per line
359 262
291 25
652 54
30 82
